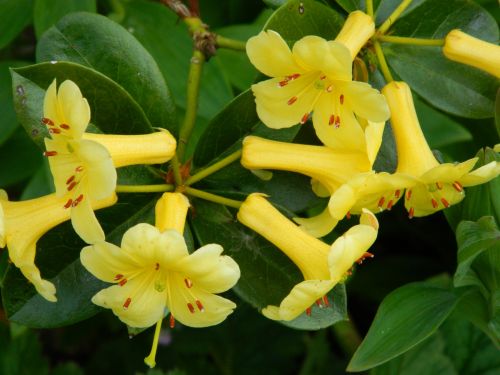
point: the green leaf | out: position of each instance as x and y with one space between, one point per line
40 183
15 15
267 275
68 368
449 86
406 317
58 257
111 106
48 12
114 52
479 266
497 112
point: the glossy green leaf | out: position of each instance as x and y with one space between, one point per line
40 183
15 15
48 12
406 317
111 106
449 86
497 112
58 257
9 122
114 52
267 275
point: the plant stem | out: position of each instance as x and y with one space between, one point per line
214 168
144 188
382 62
193 88
176 169
347 336
369 8
412 41
223 42
212 197
394 16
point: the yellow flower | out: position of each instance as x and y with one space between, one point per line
83 165
466 49
152 270
315 76
357 30
322 266
23 223
436 186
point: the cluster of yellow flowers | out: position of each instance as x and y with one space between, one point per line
152 271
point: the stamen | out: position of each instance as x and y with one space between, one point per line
325 301
118 277
47 121
408 195
79 168
445 202
68 203
78 200
304 119
157 266
329 88
188 282
439 185
389 205
348 215
64 126
283 83
71 185
341 98
337 121
172 321
319 303
381 202
293 76
50 153
54 131
200 306
322 77
411 213
292 100
397 193
122 282
364 256
191 308
458 186
308 311
434 203
70 180
331 120
127 303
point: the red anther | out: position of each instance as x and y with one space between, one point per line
172 321
445 202
439 185
319 303
411 213
77 200
283 83
70 180
348 215
54 131
118 277
322 77
337 121
79 168
292 100
397 193
47 121
64 126
68 203
325 301
329 88
304 119
389 205
71 185
122 282
50 153
127 303
157 266
408 195
293 76
200 306
434 203
364 256
458 186
191 308
341 98
188 282
331 120
381 202
308 311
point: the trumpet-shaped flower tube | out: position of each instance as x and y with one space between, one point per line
83 165
466 49
153 270
315 76
23 223
322 266
357 30
436 186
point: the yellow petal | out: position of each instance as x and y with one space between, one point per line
145 307
341 201
50 105
170 212
357 30
317 226
427 199
63 165
319 189
448 172
210 271
481 175
270 54
313 53
74 108
302 296
366 101
374 132
45 288
85 223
